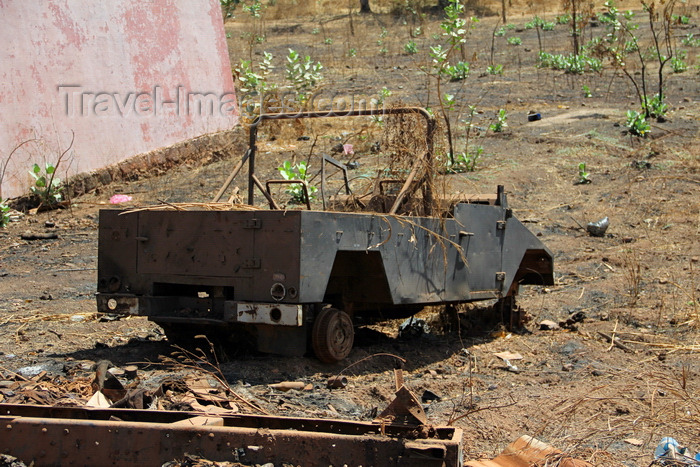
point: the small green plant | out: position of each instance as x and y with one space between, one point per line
417 32
538 22
299 171
680 19
303 73
637 124
383 51
251 81
466 161
563 19
500 122
328 41
500 32
690 40
678 64
586 91
46 184
494 69
316 31
457 72
583 175
4 213
511 26
410 47
254 8
514 40
352 52
574 64
655 107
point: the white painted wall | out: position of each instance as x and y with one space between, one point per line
126 76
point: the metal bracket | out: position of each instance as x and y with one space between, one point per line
251 263
252 224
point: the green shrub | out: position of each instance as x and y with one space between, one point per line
4 213
515 40
297 172
637 124
46 184
500 122
457 72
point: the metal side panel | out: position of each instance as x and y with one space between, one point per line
482 240
420 257
205 243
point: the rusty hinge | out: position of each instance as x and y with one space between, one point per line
501 225
251 263
252 224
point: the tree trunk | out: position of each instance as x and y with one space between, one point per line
364 6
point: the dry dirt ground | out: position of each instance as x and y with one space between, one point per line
607 404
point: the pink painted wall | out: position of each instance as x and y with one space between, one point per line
126 76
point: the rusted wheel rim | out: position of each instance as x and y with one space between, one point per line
333 335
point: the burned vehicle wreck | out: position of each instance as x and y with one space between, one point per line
297 279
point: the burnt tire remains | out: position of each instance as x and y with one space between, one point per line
332 336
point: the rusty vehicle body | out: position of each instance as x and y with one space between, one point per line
293 276
55 436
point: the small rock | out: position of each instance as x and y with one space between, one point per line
663 281
567 367
597 373
627 239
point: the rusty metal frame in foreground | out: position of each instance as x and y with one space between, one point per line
83 436
249 156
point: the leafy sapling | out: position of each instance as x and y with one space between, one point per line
4 213
637 124
500 123
583 175
410 47
46 184
299 171
303 73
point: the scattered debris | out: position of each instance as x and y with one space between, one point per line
413 327
598 229
29 235
288 385
118 199
401 433
507 355
548 325
533 116
573 319
336 382
672 454
527 451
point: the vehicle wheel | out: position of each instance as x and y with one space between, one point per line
332 335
